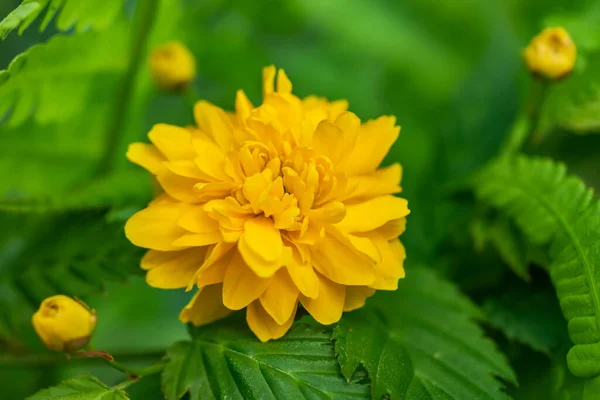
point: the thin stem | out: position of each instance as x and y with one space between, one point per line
45 359
146 14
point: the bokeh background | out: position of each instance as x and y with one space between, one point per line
449 70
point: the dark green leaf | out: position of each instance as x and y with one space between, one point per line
433 323
81 388
225 360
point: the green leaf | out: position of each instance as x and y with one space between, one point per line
528 315
551 207
225 360
69 13
81 388
37 260
428 320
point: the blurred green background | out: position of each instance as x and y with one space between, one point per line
449 70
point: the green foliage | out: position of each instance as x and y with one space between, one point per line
68 13
37 262
81 388
225 360
554 208
422 342
528 315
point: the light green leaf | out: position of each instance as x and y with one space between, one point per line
528 315
69 13
552 208
433 323
81 388
225 360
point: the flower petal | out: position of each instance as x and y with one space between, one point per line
375 138
197 220
146 156
178 187
371 214
218 258
391 267
213 121
263 326
172 269
356 297
241 285
302 273
327 307
382 181
155 227
268 75
174 142
205 307
261 247
210 159
198 239
280 298
340 263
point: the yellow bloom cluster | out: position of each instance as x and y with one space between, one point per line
272 206
551 54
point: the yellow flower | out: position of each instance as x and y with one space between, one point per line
551 54
64 324
270 206
172 66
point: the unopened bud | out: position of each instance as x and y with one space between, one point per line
64 323
551 54
173 66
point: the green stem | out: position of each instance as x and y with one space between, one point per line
136 373
49 359
145 16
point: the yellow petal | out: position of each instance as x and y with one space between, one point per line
261 247
184 168
178 187
210 158
205 307
356 297
340 263
280 298
173 141
284 85
268 80
391 267
243 106
330 213
263 326
155 227
213 269
383 181
241 285
146 156
371 214
375 138
327 307
390 230
302 272
327 139
198 239
172 269
213 121
197 220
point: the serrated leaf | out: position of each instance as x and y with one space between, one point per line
434 324
81 388
68 13
225 360
38 260
552 208
528 315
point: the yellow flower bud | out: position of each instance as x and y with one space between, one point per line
64 324
172 66
551 54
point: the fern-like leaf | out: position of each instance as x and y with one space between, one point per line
421 342
37 261
225 360
556 209
81 388
69 13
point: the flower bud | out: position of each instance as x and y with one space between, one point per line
64 324
173 66
551 54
